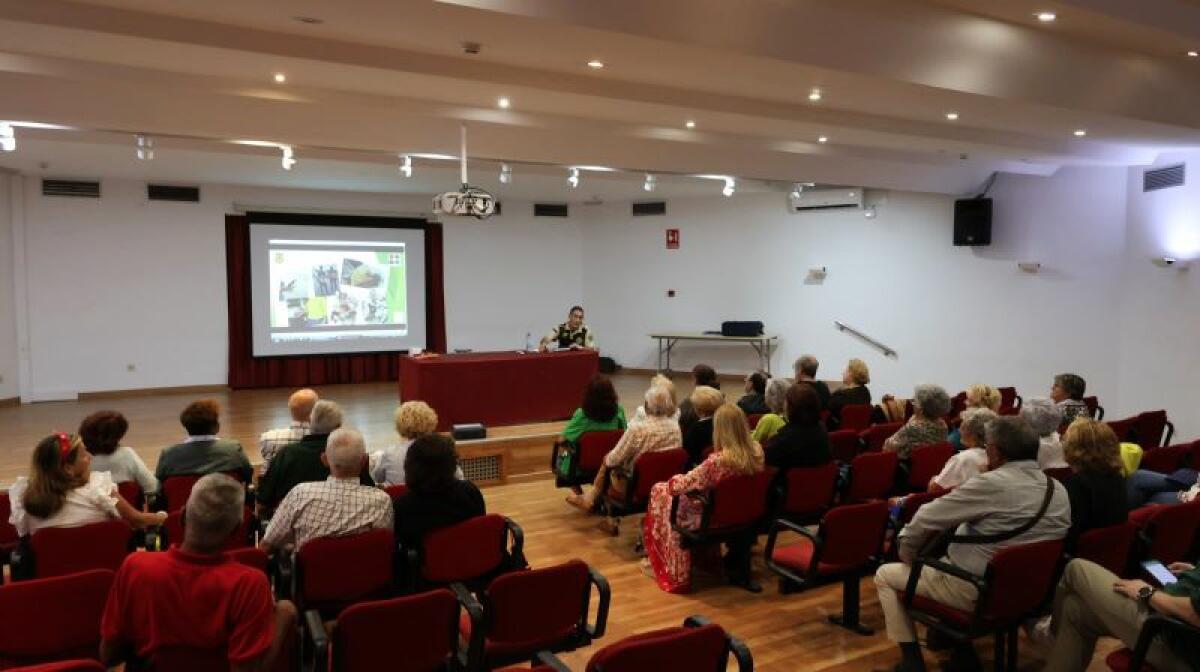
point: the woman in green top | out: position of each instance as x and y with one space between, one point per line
776 400
599 410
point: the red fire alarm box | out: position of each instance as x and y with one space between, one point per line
672 239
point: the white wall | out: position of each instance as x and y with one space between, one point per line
122 280
8 324
1160 307
955 315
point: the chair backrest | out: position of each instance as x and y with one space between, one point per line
1123 428
67 550
593 446
927 462
914 502
809 489
753 419
1008 398
52 619
177 489
131 492
77 665
656 467
1060 474
1093 406
1167 459
1172 531
874 436
739 501
856 416
958 404
702 649
8 533
1149 428
872 476
537 609
852 534
250 557
466 551
844 444
343 570
1020 578
416 632
396 491
173 530
1108 547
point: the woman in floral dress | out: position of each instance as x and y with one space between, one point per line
734 454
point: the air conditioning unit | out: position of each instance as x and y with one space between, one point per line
825 198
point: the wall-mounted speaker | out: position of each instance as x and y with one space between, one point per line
973 221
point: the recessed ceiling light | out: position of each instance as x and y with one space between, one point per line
280 78
814 95
1046 17
1194 54
595 64
952 116
503 102
823 139
690 124
1080 132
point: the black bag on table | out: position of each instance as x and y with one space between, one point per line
742 328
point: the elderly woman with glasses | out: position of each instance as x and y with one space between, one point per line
926 426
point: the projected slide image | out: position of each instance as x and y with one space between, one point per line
332 288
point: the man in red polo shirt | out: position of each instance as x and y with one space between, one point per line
194 596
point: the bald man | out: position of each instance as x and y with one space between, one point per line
300 406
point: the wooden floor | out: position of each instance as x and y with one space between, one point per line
783 632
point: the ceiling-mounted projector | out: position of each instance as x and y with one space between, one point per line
468 201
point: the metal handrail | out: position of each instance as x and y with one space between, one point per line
887 352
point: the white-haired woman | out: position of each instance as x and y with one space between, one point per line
926 426
973 458
776 399
1045 417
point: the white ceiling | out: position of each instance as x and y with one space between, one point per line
382 77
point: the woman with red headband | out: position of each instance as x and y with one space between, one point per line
63 491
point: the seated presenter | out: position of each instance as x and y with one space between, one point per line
573 334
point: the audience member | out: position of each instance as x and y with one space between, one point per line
1092 602
1045 417
702 374
802 442
102 432
336 507
973 458
302 461
600 410
435 498
63 491
659 380
1097 487
1067 393
658 432
194 595
1150 487
203 452
734 454
413 419
1003 499
852 392
699 437
753 401
776 399
926 426
300 406
805 369
977 396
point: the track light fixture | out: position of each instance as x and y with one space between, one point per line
730 185
406 165
8 137
505 173
289 158
145 147
650 182
573 178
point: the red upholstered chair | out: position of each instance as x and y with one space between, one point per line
753 419
844 444
66 550
698 646
251 557
958 404
1095 410
1148 429
1123 428
873 437
536 610
1018 581
808 492
175 490
172 531
736 507
1108 547
856 416
62 666
1167 459
926 462
472 552
846 547
1156 625
589 455
331 573
53 619
1010 401
396 491
1167 532
1060 474
417 633
872 476
908 509
649 469
8 534
131 492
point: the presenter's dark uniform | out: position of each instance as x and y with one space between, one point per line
564 338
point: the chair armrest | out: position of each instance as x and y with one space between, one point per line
957 572
596 631
741 653
777 526
315 628
547 659
517 547
1020 400
285 579
472 658
696 621
1166 441
1099 412
1154 626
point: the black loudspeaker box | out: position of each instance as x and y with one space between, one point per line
973 221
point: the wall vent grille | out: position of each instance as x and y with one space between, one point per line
1163 178
73 188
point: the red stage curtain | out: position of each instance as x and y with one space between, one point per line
247 371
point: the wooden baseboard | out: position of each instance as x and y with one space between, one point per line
11 401
153 391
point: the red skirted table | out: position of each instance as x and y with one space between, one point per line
498 388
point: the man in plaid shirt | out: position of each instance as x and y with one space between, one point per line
336 507
300 406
